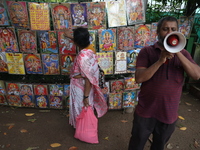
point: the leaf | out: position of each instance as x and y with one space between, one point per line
4 133
73 148
106 138
44 110
31 148
180 117
124 121
169 146
23 131
32 120
196 144
29 114
183 128
188 104
10 127
55 145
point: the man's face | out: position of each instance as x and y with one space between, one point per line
166 28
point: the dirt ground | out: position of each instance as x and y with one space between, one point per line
45 127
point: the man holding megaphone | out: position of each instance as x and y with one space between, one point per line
160 68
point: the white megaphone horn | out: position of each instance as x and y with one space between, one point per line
174 42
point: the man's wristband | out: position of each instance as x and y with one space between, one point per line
84 97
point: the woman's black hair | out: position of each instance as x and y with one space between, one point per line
81 37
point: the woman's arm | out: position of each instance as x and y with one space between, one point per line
87 89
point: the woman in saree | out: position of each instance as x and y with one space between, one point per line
84 78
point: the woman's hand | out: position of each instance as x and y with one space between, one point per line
85 102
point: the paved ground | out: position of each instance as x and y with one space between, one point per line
20 132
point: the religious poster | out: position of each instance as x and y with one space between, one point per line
93 37
15 63
27 41
185 25
39 16
105 61
3 15
27 101
25 89
55 102
79 14
142 35
115 101
14 100
2 88
8 40
120 62
125 38
131 60
48 41
107 39
129 99
130 83
12 88
66 45
42 101
117 86
66 62
154 37
18 14
135 11
40 89
32 63
56 89
116 13
61 16
3 62
3 100
96 15
50 64
66 95
106 90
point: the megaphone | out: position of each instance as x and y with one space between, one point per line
174 42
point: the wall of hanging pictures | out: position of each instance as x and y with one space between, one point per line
32 43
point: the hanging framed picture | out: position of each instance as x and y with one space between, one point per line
107 39
117 86
18 14
105 61
115 101
15 63
41 101
3 100
61 16
12 88
56 89
120 62
154 37
39 16
55 102
93 38
66 62
135 11
129 99
8 40
48 42
2 88
32 63
3 62
27 101
116 13
14 100
50 64
142 35
79 15
40 89
185 25
131 60
3 14
27 41
96 15
130 83
66 45
125 38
